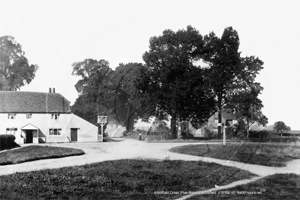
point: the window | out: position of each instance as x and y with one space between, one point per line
55 131
28 115
55 116
216 121
11 130
11 116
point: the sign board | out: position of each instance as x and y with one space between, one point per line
102 119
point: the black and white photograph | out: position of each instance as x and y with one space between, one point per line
149 99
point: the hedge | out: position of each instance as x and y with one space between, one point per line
7 142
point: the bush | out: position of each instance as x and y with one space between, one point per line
7 142
186 135
261 136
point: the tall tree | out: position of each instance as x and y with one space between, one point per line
127 105
281 126
248 107
229 73
85 108
173 80
15 70
95 83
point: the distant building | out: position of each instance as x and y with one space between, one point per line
212 123
37 117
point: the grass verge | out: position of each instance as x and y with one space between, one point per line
120 179
254 153
35 152
278 186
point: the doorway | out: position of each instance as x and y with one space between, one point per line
74 134
29 136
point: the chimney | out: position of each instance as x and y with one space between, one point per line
50 90
53 90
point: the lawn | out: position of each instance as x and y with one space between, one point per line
120 179
254 153
35 152
278 186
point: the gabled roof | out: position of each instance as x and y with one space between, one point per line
226 113
29 127
33 102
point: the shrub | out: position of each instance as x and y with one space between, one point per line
210 133
7 142
261 136
186 135
230 132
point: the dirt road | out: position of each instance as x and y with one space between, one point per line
129 149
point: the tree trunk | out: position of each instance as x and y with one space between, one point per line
129 120
173 128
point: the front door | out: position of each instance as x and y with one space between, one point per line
29 136
74 134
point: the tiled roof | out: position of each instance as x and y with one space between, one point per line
228 114
33 102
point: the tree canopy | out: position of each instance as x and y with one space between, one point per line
185 76
231 75
95 82
280 126
15 70
104 91
175 84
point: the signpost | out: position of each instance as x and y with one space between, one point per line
102 120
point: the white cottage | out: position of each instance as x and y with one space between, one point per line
37 117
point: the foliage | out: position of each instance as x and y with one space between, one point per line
7 142
280 127
112 92
35 152
253 153
229 73
248 108
85 108
120 179
259 136
15 70
172 77
128 106
94 85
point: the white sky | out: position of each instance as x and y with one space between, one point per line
55 34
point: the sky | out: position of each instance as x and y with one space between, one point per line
55 34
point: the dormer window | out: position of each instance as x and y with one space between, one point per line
55 116
11 116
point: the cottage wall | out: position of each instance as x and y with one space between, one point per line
87 132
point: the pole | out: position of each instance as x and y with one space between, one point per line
224 135
101 137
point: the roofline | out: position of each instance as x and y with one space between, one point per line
34 92
35 112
